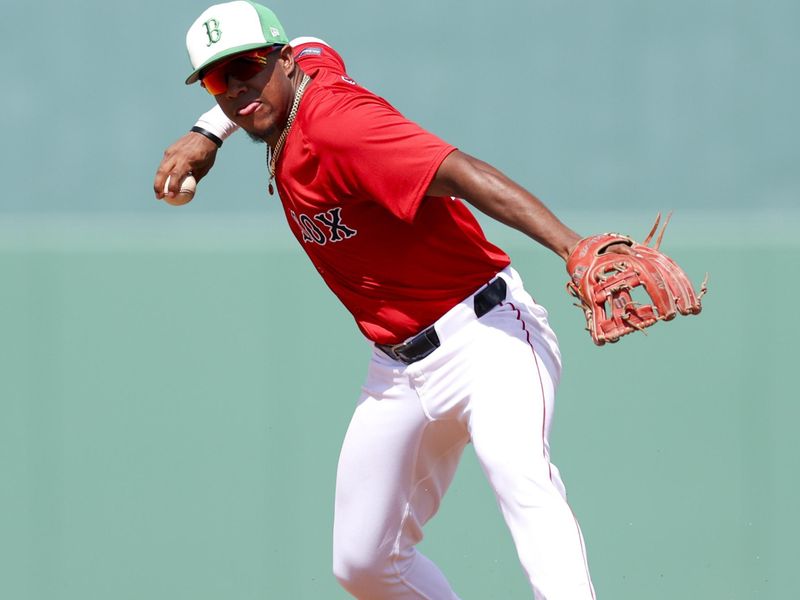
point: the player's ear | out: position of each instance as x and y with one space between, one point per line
286 60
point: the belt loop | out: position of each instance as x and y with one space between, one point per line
492 295
425 342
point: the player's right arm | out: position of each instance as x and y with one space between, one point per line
193 153
196 152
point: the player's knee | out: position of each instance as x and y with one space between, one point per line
361 575
536 483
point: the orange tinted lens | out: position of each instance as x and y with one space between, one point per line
215 81
242 68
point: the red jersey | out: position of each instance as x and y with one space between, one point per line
352 178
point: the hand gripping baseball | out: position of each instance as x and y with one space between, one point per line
602 279
192 154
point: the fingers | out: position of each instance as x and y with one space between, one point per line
193 153
172 171
167 170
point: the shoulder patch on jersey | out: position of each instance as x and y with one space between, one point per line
314 51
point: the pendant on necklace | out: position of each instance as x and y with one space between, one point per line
270 189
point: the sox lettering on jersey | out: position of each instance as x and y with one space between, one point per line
332 230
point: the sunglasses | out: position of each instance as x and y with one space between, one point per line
242 67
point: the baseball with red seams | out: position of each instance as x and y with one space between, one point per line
186 193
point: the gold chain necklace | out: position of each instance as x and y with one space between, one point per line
272 155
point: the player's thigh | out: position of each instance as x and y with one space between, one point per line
513 395
394 467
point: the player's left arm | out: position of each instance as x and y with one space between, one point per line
493 193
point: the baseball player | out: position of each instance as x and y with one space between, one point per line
461 353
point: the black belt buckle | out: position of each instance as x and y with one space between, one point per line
424 343
416 349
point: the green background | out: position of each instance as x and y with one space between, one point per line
175 382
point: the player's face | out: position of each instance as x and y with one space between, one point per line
258 95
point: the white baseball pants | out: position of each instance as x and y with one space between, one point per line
492 382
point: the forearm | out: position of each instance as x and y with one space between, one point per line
497 196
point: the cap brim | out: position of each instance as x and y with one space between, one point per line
195 76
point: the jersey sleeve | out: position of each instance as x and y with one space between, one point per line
314 56
375 152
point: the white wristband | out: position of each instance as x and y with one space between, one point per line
217 123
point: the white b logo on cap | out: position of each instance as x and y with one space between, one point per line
212 31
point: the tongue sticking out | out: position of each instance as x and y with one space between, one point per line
249 109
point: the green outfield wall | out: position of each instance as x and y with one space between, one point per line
172 413
175 382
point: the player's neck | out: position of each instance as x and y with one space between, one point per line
276 138
272 137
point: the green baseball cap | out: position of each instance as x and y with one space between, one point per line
230 28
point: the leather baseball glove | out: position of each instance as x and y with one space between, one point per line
603 280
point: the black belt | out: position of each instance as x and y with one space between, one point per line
425 342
